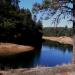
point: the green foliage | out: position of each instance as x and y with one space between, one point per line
60 31
7 24
15 21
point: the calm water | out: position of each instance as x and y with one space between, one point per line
47 55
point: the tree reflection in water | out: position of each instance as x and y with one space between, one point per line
46 54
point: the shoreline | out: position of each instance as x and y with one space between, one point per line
62 39
65 69
11 49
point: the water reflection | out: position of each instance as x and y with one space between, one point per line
16 61
48 54
58 45
51 56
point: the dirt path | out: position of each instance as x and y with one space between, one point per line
9 48
62 39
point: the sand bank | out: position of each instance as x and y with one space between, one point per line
62 39
9 48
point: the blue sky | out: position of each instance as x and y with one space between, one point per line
46 23
28 3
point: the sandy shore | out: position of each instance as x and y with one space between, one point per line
62 39
10 49
58 70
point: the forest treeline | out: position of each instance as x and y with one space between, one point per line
59 31
17 25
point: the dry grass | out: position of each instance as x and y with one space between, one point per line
58 70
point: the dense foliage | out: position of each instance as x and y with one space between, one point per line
16 25
60 31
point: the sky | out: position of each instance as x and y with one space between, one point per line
28 3
46 23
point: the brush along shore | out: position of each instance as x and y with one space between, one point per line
57 70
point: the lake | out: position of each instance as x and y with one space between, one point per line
48 54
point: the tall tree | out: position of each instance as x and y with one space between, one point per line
16 25
74 32
49 8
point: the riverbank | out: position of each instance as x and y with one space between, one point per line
10 49
62 39
58 70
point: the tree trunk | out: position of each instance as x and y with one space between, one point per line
73 61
